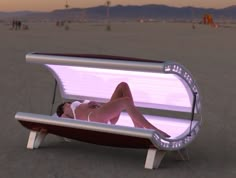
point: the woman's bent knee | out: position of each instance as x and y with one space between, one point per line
123 85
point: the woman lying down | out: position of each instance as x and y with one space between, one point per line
109 112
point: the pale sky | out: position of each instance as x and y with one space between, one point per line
48 5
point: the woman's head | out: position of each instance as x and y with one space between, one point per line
63 108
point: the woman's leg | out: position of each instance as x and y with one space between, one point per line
113 108
122 90
110 110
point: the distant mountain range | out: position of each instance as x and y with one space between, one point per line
119 12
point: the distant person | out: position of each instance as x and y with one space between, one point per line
16 25
13 24
109 112
19 24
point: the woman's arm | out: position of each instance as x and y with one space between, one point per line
93 104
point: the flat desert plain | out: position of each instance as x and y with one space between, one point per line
209 53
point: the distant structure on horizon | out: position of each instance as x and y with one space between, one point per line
67 5
108 28
208 20
67 21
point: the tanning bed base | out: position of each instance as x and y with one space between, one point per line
154 84
123 134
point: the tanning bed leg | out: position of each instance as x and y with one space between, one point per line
154 158
182 155
35 139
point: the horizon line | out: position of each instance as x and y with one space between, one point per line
113 6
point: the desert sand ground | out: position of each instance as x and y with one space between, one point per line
209 53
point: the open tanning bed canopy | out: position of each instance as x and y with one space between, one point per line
95 78
162 85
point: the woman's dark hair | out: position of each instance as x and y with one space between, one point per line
60 109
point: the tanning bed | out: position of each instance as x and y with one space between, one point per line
155 85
